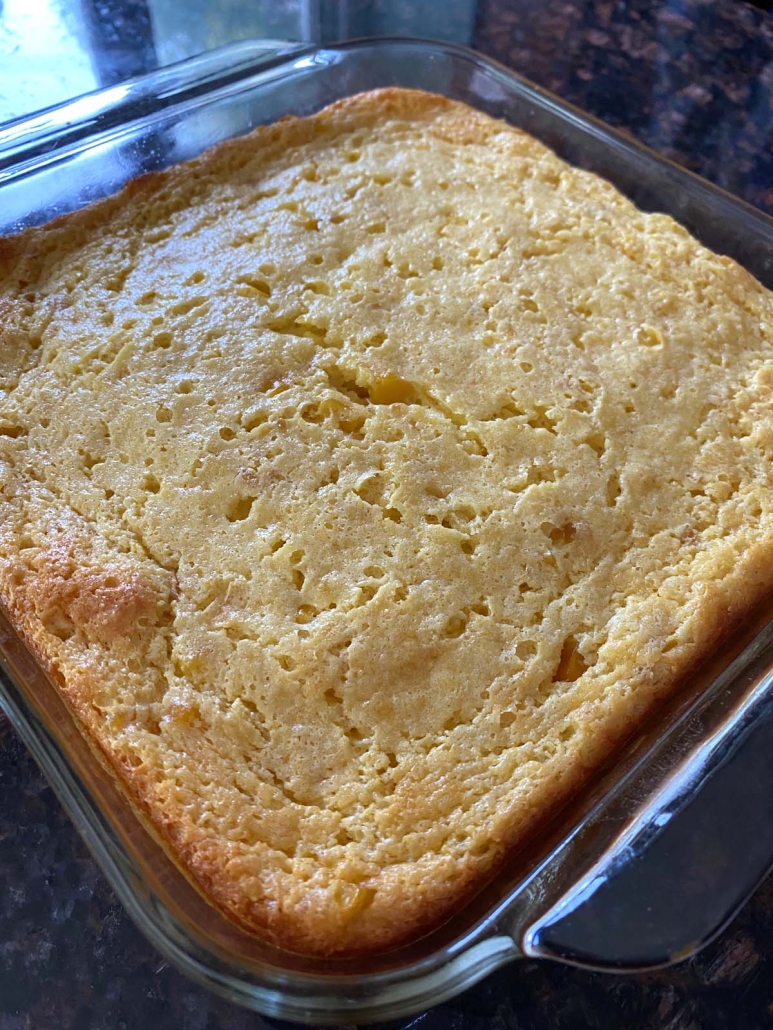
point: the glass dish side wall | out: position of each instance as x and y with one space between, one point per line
181 110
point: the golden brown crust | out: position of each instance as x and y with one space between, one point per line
363 484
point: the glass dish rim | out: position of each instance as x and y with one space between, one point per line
499 947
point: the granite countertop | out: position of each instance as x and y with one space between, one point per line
694 80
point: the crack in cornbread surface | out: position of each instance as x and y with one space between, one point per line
364 482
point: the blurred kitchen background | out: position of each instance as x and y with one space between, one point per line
51 50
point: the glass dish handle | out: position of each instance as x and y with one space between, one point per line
684 867
29 137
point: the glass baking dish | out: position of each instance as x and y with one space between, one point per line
658 851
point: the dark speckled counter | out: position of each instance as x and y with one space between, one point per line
694 80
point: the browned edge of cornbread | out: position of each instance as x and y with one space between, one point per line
402 922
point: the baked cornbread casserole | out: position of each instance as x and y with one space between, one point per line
365 481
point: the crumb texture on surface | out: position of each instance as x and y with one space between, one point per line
362 484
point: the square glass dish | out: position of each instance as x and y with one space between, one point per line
659 850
